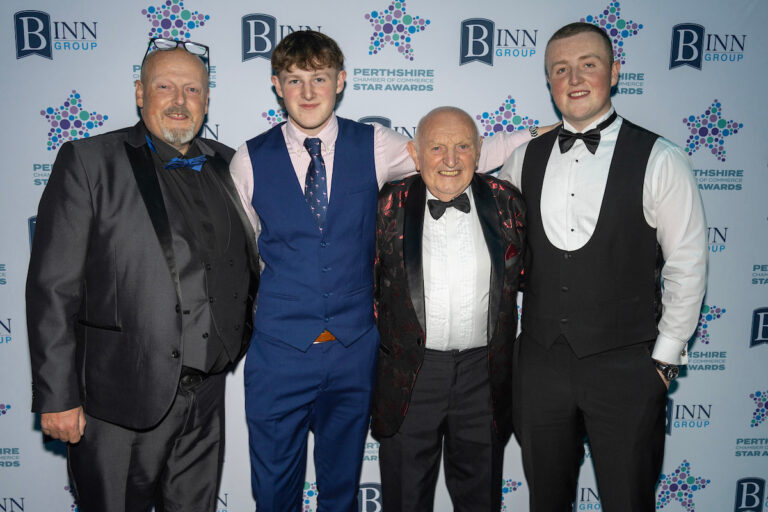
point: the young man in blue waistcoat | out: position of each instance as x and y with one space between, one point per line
313 183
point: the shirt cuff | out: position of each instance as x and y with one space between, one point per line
670 350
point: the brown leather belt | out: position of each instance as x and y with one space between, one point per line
325 336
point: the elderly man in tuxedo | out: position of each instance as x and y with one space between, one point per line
138 298
449 255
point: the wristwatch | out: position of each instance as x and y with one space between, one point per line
669 371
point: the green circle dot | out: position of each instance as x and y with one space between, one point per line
721 123
690 480
517 120
407 19
370 47
704 309
709 139
84 115
621 24
185 14
613 10
50 143
174 32
395 37
306 485
397 5
73 133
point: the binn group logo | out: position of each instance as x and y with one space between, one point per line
70 121
5 331
587 498
36 34
716 239
691 45
759 326
687 416
261 33
750 495
172 20
504 119
12 504
395 27
680 486
481 41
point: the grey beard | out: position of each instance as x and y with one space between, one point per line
179 136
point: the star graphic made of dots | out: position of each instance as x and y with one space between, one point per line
171 20
761 401
70 121
709 131
394 27
274 116
508 487
504 119
679 486
708 314
616 27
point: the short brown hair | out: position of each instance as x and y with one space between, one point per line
307 50
579 27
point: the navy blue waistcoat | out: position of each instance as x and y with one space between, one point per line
314 281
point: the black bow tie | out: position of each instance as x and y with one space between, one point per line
591 138
437 207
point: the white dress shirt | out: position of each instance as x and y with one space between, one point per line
571 196
457 277
390 152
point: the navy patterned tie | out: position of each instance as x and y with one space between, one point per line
315 185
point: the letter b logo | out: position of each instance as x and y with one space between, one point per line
33 34
749 495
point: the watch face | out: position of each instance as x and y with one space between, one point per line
672 372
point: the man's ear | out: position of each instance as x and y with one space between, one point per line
414 152
276 84
341 79
139 93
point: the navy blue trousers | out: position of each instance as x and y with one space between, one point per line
327 390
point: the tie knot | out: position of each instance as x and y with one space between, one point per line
312 145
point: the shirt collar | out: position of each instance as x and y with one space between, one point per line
294 137
593 124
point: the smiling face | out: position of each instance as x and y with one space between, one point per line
446 151
309 95
173 96
580 75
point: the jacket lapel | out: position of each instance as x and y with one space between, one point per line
149 187
489 221
412 232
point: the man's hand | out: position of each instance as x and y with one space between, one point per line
66 425
663 379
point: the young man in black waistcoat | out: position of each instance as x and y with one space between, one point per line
612 208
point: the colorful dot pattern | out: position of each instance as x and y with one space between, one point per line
508 487
679 486
761 400
504 119
172 20
708 314
74 507
617 28
709 131
4 408
274 117
394 27
309 499
70 121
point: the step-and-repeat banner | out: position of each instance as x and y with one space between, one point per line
693 71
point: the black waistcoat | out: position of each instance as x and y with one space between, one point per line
605 294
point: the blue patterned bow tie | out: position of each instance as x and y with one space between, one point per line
195 163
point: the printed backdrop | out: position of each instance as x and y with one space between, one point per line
694 71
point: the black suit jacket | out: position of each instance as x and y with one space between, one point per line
103 288
399 294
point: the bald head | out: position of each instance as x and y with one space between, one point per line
446 151
162 56
446 114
